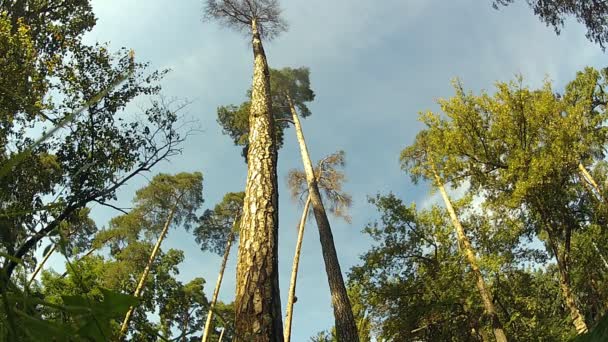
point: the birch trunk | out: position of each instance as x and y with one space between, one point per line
258 302
144 276
294 272
346 329
216 292
466 247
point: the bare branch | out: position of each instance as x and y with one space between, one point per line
240 14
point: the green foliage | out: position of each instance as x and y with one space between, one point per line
216 226
57 81
182 191
597 334
83 318
415 284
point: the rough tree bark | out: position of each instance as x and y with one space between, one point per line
294 272
465 244
218 284
144 276
346 328
258 303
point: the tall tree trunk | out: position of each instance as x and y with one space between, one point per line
39 267
465 244
258 302
218 284
144 276
346 328
564 283
294 271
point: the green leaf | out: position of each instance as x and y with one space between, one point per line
44 330
47 249
116 303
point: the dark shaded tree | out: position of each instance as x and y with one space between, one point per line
591 13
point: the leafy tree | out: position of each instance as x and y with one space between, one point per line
216 230
258 307
420 159
521 149
167 201
591 13
414 284
53 81
182 306
56 176
329 179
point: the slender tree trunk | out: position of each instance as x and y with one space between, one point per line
144 276
218 284
346 328
564 283
39 267
221 335
465 244
294 272
258 302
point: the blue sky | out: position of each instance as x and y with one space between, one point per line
374 66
